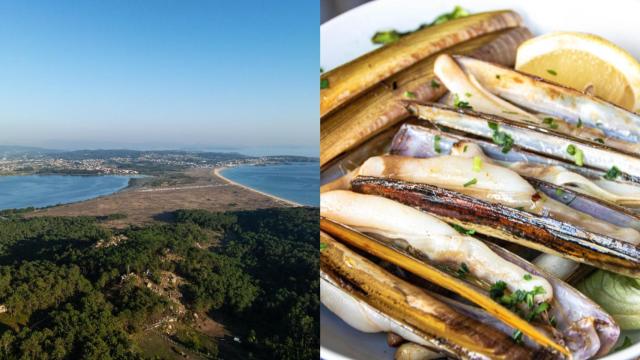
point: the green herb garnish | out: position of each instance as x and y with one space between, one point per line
436 144
578 155
527 277
460 104
517 336
551 122
409 95
477 163
324 83
501 138
464 149
463 271
323 246
552 72
600 140
386 37
463 230
559 192
496 290
434 84
579 125
389 36
470 182
613 173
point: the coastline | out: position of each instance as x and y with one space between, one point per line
218 172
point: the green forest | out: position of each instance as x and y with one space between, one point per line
237 285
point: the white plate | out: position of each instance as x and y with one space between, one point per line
348 36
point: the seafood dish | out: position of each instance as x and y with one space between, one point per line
472 209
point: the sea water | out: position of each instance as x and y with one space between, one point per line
298 181
47 190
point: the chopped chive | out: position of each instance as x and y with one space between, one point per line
470 182
460 104
497 290
559 192
477 163
409 95
579 125
467 94
434 84
579 158
436 144
324 83
571 149
528 277
552 72
464 149
493 126
517 336
463 271
552 320
386 37
600 140
463 230
323 246
613 173
551 122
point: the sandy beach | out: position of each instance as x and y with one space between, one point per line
218 172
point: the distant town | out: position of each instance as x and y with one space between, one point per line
20 161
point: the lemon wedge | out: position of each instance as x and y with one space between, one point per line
584 62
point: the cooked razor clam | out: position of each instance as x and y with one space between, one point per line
488 182
496 220
432 237
419 139
465 86
542 140
536 94
370 299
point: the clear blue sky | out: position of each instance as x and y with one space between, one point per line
159 74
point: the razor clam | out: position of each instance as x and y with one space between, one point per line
539 95
418 139
466 87
531 137
489 182
352 79
377 109
393 304
428 235
425 271
438 242
537 232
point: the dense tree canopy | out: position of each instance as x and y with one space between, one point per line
73 289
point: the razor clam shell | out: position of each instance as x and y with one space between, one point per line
540 233
379 107
355 77
418 141
545 97
531 137
415 138
464 337
570 306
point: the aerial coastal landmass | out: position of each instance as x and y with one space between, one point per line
182 263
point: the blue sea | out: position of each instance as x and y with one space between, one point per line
46 190
299 182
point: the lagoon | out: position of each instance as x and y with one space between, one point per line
298 181
46 190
